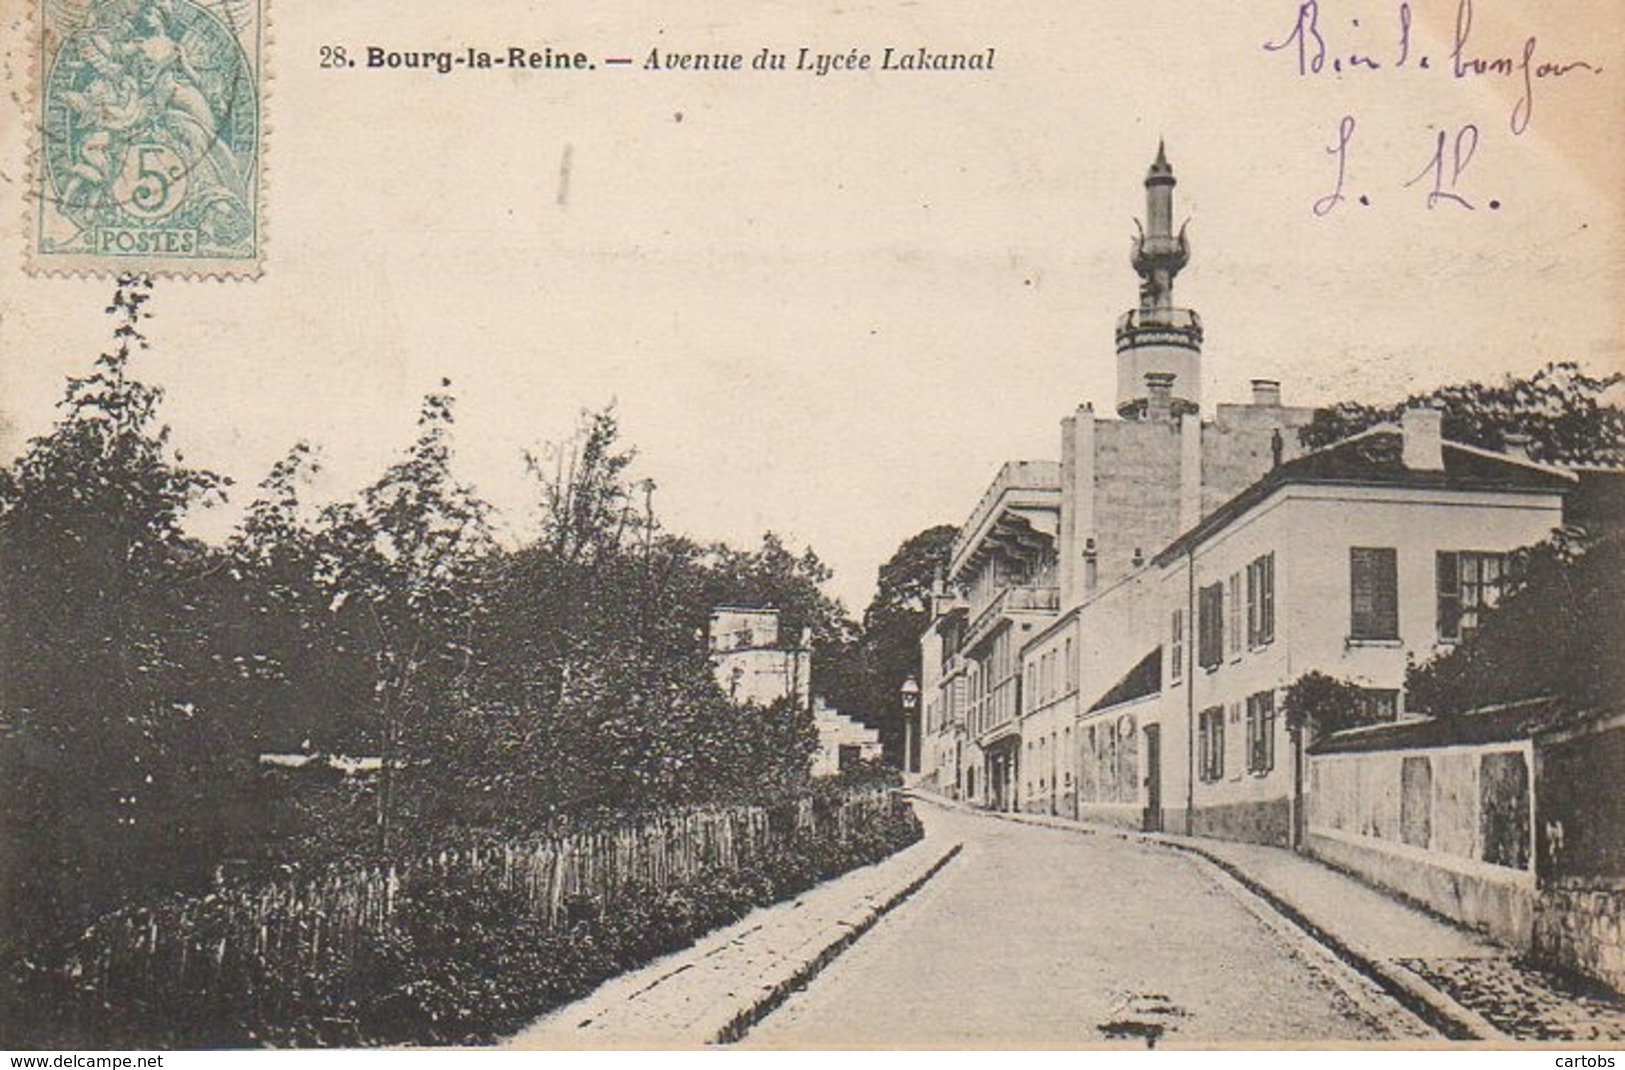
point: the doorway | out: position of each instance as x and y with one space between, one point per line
1151 820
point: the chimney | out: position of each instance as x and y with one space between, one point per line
1422 430
1516 444
1267 393
1159 390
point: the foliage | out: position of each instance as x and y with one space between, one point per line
1322 704
404 567
1557 633
467 951
1569 416
102 613
481 690
900 611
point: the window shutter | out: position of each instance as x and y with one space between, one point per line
1236 609
1374 585
1176 652
1448 571
1266 598
1210 625
1252 604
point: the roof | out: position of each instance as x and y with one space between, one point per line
1373 459
1020 508
1497 724
1142 680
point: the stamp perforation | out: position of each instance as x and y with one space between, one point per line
148 137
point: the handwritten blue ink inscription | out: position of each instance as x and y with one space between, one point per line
1322 39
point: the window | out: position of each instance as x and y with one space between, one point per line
1176 649
1210 728
1261 601
1374 592
1210 625
1469 583
1234 595
1071 667
1378 704
1261 732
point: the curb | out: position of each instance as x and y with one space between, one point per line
647 1014
1437 1009
775 996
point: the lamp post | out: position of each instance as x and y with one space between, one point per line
909 693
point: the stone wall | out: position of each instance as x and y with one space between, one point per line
1446 827
1580 909
1581 928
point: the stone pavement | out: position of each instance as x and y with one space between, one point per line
1460 982
1044 938
715 990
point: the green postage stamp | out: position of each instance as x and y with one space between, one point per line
150 137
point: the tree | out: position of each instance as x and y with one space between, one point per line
101 617
1557 633
773 575
1570 417
1318 705
588 524
404 567
598 690
898 614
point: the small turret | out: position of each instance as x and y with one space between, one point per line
1159 253
1157 338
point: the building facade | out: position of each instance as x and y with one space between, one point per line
756 667
750 662
1114 631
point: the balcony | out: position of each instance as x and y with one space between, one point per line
1010 600
1158 326
1020 508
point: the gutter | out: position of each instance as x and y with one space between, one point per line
1187 654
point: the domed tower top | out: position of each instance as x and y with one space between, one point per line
1158 339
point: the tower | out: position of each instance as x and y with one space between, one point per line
1159 346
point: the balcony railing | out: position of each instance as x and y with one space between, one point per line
1143 325
1013 600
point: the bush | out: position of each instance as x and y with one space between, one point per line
464 957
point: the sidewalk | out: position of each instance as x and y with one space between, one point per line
711 992
1458 981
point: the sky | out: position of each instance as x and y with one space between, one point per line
831 306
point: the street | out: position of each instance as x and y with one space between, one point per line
1044 937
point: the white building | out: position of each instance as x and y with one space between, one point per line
755 668
751 664
1114 631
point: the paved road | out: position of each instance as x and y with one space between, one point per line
1045 937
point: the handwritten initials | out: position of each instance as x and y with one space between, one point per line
1466 144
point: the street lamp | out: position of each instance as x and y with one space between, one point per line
909 693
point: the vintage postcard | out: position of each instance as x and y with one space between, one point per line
880 526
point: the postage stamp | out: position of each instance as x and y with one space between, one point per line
150 137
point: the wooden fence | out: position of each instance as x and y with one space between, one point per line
262 945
